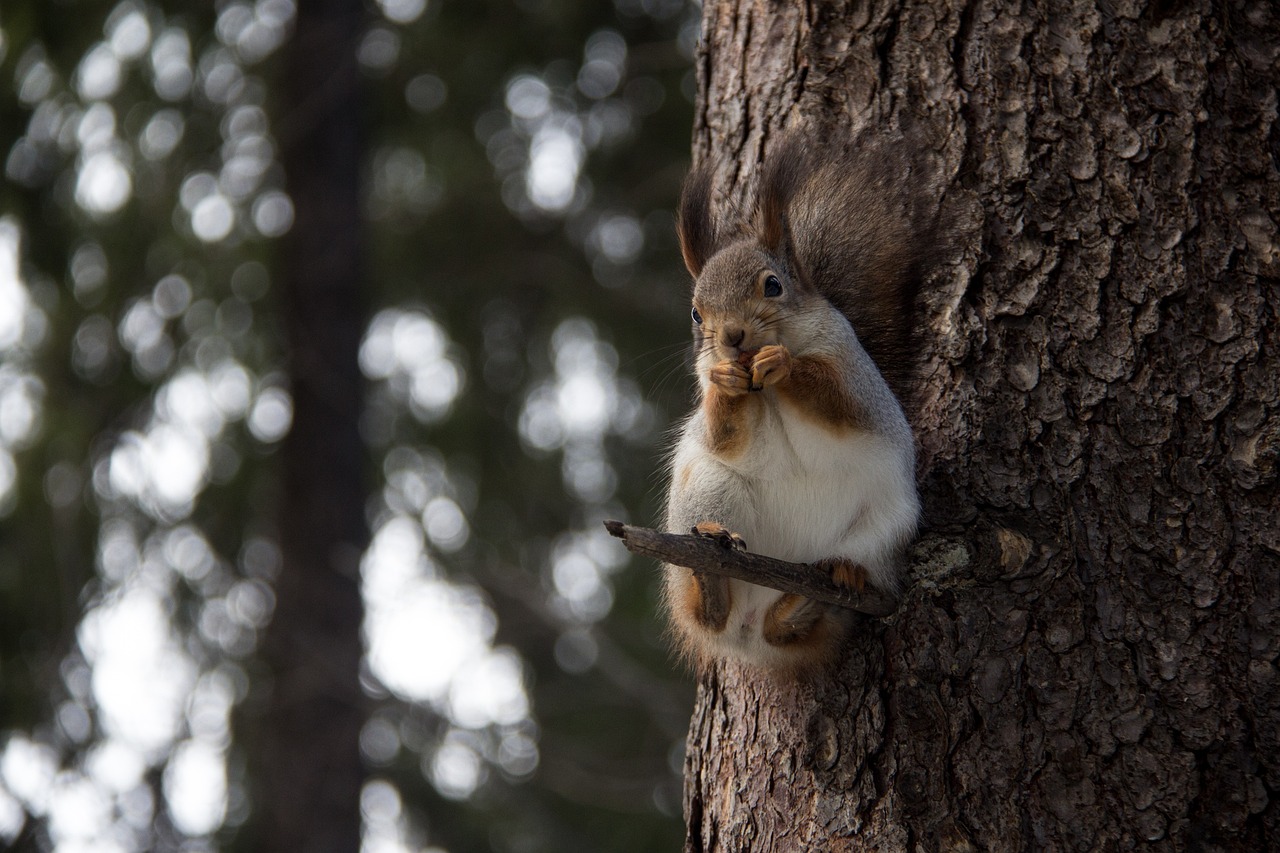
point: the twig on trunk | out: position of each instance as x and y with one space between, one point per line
705 554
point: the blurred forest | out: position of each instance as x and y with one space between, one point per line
519 329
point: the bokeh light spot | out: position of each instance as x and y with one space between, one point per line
212 218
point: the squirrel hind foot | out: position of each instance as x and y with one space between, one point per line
707 600
791 620
721 534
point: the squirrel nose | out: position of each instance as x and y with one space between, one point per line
732 337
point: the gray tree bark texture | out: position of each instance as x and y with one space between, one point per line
1086 655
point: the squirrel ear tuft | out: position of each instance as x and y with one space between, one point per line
784 171
694 225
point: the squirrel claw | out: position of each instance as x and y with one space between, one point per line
721 534
845 573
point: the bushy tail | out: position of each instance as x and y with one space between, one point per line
861 234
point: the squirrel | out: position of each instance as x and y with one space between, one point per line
803 344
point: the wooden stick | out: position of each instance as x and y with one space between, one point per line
705 554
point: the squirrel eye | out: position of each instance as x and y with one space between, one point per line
697 318
772 287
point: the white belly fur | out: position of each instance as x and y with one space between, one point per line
815 493
803 493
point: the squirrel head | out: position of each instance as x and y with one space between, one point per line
745 298
749 289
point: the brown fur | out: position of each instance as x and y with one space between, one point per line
694 224
863 237
783 176
708 600
816 387
791 619
696 599
727 424
811 632
860 231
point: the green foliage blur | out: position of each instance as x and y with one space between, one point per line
524 351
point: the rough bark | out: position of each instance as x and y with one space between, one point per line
1086 658
307 765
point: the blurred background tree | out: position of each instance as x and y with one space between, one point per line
519 332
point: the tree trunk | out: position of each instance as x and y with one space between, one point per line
1086 657
307 768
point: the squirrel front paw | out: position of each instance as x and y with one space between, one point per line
731 378
726 537
771 365
845 573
